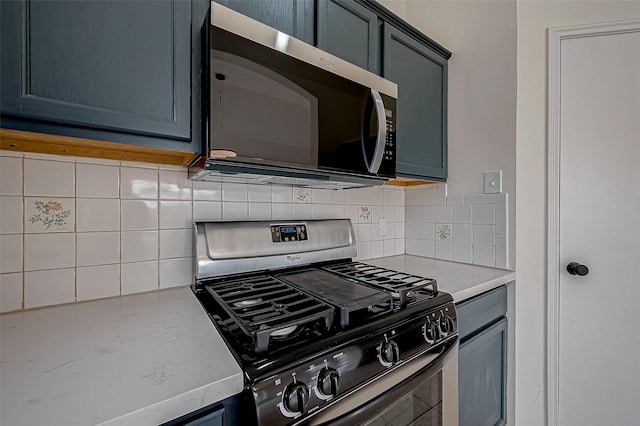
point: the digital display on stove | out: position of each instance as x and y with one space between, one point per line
287 229
288 233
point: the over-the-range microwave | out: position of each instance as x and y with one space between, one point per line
281 111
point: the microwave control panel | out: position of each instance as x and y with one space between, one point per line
389 150
289 233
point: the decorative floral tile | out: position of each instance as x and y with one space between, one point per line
365 214
301 195
49 215
443 232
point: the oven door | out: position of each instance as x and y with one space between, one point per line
424 391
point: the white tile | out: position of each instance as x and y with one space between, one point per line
260 211
175 185
139 165
283 211
305 211
320 196
235 211
176 272
44 288
11 253
484 235
480 199
325 211
11 215
364 250
484 214
427 248
444 214
49 251
282 194
463 253
98 214
351 212
391 230
389 248
176 243
442 193
399 246
365 196
207 191
365 232
412 246
364 214
139 246
502 198
400 197
427 231
139 277
443 232
463 213
301 195
412 197
139 215
10 292
235 192
50 157
99 161
377 212
176 215
389 197
398 213
411 213
427 214
351 197
399 230
7 153
501 218
377 196
259 193
97 282
502 252
377 249
428 196
172 167
97 181
444 250
375 232
49 215
390 213
462 233
138 183
455 199
412 230
207 210
97 248
49 178
484 255
10 176
336 196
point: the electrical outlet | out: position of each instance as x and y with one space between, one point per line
493 182
382 226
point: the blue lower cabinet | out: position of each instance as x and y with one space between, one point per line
114 71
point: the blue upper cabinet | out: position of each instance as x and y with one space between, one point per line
350 31
292 17
421 75
112 71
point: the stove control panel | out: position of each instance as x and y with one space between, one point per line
292 395
289 233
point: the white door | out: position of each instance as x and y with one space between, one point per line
598 219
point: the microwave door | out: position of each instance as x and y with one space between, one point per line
374 132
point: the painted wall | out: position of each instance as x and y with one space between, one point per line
534 18
482 88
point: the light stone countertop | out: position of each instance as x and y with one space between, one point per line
462 280
133 360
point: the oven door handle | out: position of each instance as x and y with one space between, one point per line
343 411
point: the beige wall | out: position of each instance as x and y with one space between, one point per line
534 17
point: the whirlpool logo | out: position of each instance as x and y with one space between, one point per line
293 258
327 61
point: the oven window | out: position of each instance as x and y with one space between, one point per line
420 406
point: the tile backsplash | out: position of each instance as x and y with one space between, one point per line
74 229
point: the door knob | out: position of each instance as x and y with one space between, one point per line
574 268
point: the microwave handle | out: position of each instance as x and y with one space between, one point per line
374 166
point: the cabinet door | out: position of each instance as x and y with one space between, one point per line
421 75
293 17
103 66
482 366
349 31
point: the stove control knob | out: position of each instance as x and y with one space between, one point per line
431 332
446 325
328 381
296 397
388 353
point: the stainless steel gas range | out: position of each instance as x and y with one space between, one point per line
322 339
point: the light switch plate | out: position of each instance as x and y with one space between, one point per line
493 182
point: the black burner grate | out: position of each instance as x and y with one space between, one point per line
405 288
265 308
